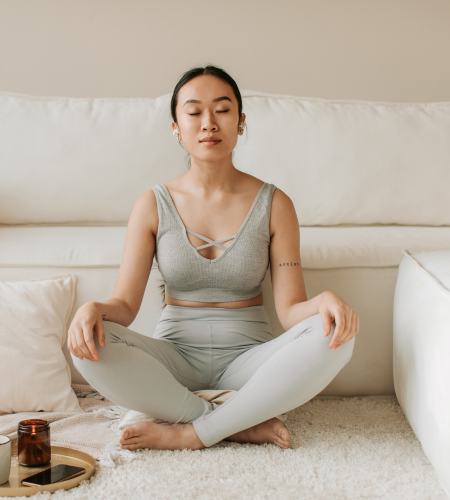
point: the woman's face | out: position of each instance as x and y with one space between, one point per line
214 114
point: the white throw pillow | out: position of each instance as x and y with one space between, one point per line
34 374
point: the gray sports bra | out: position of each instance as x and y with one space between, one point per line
237 274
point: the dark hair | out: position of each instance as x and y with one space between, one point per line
207 70
186 77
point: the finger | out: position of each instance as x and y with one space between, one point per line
89 341
340 327
326 321
77 352
100 331
347 330
351 332
82 346
71 347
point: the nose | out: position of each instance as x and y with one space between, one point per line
208 122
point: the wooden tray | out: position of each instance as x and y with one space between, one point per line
60 455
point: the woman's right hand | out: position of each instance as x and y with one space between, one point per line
86 323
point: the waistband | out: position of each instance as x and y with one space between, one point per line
182 313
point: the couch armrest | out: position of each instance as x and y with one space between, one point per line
422 352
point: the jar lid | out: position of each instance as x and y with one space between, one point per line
33 425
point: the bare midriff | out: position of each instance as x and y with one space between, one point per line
255 301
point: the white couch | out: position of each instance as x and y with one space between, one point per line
368 179
421 352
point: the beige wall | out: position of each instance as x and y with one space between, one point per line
383 50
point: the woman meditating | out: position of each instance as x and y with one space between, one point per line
213 231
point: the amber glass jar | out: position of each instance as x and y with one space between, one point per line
33 442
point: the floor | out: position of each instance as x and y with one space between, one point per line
341 448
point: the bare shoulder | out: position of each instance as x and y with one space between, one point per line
145 211
281 200
282 214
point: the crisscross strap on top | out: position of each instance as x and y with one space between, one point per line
236 274
211 242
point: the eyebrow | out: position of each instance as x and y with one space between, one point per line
222 98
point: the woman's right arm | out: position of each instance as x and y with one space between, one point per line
130 285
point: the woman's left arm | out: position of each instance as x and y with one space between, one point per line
288 284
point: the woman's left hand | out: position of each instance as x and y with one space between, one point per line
332 307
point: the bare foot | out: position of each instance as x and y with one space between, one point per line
270 431
160 437
183 436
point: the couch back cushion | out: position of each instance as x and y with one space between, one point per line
81 160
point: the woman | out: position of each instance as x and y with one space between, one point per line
213 231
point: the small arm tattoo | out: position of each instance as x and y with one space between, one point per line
290 264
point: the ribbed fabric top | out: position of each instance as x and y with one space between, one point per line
237 274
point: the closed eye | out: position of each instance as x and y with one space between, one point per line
224 111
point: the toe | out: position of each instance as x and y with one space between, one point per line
129 432
131 444
131 447
283 442
131 440
283 433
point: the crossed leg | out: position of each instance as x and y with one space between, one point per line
274 378
151 376
146 374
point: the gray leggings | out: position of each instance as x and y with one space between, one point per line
197 348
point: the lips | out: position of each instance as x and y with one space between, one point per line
210 140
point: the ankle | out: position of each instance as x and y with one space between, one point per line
190 438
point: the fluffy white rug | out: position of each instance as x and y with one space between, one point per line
341 448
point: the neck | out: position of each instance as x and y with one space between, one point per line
210 177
